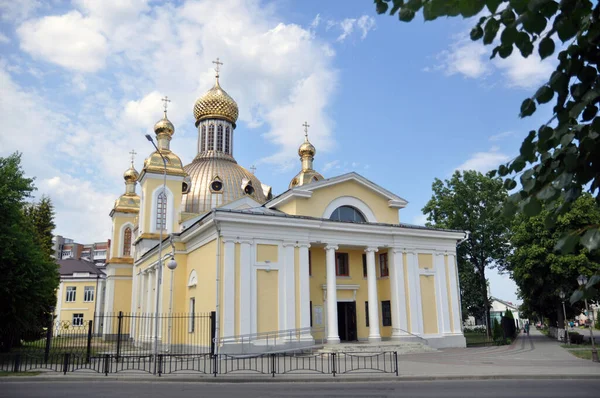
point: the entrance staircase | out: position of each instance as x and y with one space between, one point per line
401 347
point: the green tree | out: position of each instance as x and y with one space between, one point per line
557 162
467 202
41 214
29 276
539 271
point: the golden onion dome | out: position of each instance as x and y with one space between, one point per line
131 174
217 181
305 177
307 149
216 103
164 126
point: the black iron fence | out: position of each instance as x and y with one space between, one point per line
208 364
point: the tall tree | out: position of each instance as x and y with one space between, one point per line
29 276
559 161
469 202
539 271
41 214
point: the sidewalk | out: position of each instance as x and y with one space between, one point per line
534 356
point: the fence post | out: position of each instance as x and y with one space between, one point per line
159 364
66 363
333 363
272 365
89 342
106 364
119 335
216 364
396 361
213 331
48 340
17 364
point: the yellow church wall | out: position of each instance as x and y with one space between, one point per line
267 302
124 271
425 260
79 306
117 223
448 292
267 253
407 295
316 205
429 311
149 185
384 293
122 295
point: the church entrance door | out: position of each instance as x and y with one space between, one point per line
347 321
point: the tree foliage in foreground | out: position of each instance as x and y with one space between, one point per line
560 160
29 275
467 202
539 271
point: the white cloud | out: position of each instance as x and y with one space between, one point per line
315 23
4 38
530 72
465 58
419 219
18 10
484 161
501 136
70 40
330 165
364 23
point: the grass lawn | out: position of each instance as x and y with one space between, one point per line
4 374
476 338
583 354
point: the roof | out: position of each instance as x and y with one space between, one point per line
506 303
71 266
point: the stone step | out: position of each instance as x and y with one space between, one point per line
365 347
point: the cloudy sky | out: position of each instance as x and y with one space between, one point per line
401 104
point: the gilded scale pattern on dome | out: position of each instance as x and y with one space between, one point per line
216 103
154 163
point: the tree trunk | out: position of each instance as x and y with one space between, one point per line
486 302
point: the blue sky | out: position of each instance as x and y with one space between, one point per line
398 103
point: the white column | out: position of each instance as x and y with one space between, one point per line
59 301
149 303
304 287
134 291
290 285
441 293
332 319
454 294
399 321
245 288
228 279
372 295
414 286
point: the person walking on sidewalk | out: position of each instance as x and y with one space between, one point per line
527 328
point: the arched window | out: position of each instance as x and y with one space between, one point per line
161 211
127 242
347 213
203 139
226 150
220 137
211 137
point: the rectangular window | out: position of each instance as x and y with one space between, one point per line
71 293
364 258
192 321
88 294
367 313
77 320
342 268
311 314
386 313
309 265
383 265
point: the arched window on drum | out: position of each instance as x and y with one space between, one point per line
347 213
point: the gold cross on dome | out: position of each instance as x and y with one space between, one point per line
217 68
132 153
306 126
166 101
253 169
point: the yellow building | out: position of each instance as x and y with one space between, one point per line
328 253
79 295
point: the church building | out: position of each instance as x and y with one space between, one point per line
328 256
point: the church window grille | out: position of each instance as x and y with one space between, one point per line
161 211
383 265
211 137
220 138
226 150
203 139
71 294
347 213
127 242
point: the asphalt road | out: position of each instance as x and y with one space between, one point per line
414 389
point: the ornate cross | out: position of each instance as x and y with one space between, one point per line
132 153
166 100
306 126
253 169
217 68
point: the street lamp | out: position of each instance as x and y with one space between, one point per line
562 296
160 239
171 264
582 280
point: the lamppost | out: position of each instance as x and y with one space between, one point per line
172 264
160 239
562 298
582 280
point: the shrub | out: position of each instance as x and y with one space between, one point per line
497 332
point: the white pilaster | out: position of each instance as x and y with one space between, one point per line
135 284
59 301
290 285
399 321
454 294
332 318
245 288
374 334
304 287
414 286
441 293
228 279
109 300
149 302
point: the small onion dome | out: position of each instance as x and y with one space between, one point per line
164 126
131 174
216 103
307 149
